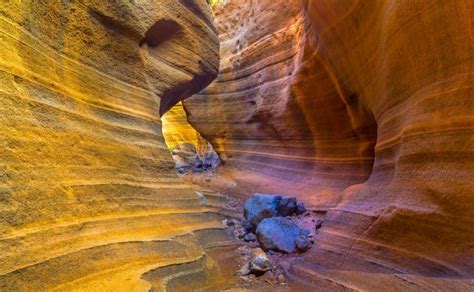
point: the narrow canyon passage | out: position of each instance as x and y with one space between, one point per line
360 110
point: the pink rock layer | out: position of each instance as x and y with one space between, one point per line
364 110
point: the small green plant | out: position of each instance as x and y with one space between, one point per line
170 149
214 2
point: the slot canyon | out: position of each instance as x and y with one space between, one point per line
362 110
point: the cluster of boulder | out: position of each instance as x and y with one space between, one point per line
268 221
187 158
271 226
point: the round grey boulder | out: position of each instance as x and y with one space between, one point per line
278 234
261 206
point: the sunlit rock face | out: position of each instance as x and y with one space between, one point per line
89 198
281 117
364 109
177 130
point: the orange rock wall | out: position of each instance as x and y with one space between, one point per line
177 130
89 197
282 118
364 110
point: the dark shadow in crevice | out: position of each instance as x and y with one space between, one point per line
184 90
160 32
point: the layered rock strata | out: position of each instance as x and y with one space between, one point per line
362 109
89 197
281 119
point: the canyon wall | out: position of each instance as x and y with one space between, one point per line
280 118
89 197
364 110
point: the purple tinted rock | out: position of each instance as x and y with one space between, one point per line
261 206
303 243
247 226
304 232
250 237
278 234
300 208
287 206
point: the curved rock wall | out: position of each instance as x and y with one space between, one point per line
364 110
282 118
89 198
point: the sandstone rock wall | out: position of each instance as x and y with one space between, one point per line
281 117
362 108
177 130
89 198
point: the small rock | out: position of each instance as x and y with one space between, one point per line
260 262
300 208
198 169
281 278
303 244
240 234
244 270
304 232
185 147
181 162
250 237
261 206
278 234
247 226
319 224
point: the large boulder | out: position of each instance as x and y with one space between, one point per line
210 159
278 234
261 206
181 164
185 157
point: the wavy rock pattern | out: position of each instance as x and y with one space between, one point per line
279 114
89 198
364 110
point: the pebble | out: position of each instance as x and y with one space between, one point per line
249 237
260 263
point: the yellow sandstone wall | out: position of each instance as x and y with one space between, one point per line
177 130
89 198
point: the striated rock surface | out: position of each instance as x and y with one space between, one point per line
280 119
89 198
364 110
